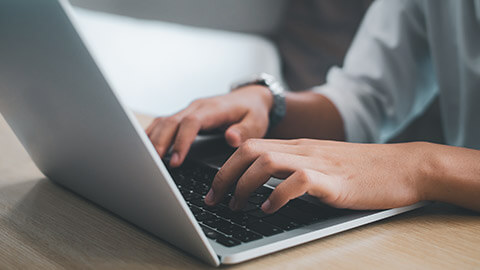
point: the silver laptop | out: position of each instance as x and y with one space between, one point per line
81 136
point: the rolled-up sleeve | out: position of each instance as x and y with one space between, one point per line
387 76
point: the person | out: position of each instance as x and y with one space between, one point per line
331 141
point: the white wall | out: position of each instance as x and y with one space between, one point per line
158 68
254 16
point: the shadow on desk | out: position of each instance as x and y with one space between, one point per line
55 227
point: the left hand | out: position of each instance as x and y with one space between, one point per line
344 175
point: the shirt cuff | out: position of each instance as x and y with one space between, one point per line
359 125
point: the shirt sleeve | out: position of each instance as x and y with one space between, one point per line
387 77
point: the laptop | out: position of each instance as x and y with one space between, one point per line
81 136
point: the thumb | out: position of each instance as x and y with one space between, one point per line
251 126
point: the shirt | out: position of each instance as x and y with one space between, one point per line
405 53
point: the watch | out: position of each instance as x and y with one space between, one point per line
279 108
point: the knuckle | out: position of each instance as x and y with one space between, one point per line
191 118
303 178
172 120
309 151
158 119
214 102
248 146
335 197
267 160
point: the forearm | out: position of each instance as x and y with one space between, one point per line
452 175
309 115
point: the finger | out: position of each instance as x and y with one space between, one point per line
251 126
187 131
205 117
269 164
163 129
234 167
300 182
163 133
150 127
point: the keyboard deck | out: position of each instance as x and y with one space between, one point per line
231 228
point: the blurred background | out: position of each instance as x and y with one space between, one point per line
161 54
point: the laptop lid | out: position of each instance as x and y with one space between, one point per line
76 130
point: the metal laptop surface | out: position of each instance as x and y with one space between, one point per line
79 134
77 131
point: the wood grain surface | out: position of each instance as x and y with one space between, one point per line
44 226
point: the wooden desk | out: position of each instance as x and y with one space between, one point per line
44 226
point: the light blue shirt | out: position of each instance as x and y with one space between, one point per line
405 53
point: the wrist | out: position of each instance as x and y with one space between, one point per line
424 164
266 96
434 169
275 103
451 174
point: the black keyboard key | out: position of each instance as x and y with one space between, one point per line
258 213
204 216
231 229
297 215
191 196
185 192
264 228
298 203
189 184
214 209
227 241
216 223
200 188
243 219
210 233
226 213
178 176
256 199
281 221
198 202
247 236
195 209
323 212
249 207
263 190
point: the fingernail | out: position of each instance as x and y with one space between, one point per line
266 206
175 159
233 203
210 196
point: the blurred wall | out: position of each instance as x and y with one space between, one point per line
252 16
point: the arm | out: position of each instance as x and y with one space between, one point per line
244 115
386 80
351 175
452 175
301 109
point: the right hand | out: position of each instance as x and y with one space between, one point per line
244 112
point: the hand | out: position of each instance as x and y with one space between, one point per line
244 111
344 175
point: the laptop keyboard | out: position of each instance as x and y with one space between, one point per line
231 228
